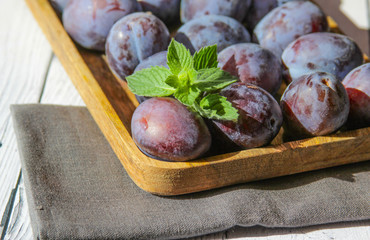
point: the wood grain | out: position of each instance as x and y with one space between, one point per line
59 90
111 105
20 224
21 45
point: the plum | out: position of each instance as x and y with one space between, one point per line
59 5
259 9
315 104
286 23
212 29
252 64
321 52
88 21
357 85
167 10
191 9
164 128
260 117
281 2
158 59
132 39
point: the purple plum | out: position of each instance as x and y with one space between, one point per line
167 10
313 105
164 128
88 21
357 84
212 29
192 9
132 39
288 22
321 52
259 9
59 5
252 64
158 59
260 117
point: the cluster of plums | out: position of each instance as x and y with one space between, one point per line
329 85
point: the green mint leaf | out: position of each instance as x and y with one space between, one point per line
186 92
187 95
173 81
206 58
187 77
178 58
212 79
215 106
192 76
150 82
183 79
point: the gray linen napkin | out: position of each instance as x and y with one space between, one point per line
78 189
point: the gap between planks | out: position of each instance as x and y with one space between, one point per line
57 89
223 235
46 77
7 214
24 57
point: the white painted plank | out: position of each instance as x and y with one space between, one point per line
24 59
20 225
356 10
59 88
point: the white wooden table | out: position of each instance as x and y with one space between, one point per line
30 73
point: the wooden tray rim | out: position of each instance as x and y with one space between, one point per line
130 156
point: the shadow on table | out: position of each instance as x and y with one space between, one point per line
344 173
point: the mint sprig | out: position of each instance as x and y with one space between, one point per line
213 79
206 58
194 81
149 82
178 58
215 106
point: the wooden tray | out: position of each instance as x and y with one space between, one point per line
111 105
